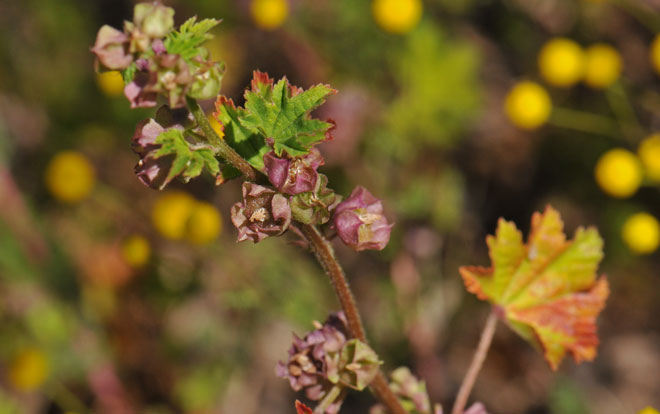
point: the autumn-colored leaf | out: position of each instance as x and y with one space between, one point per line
547 289
302 408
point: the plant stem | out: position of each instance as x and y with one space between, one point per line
326 256
223 149
475 366
330 397
584 121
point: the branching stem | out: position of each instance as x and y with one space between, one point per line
475 366
223 149
326 256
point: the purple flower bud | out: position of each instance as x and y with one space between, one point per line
293 175
360 222
110 48
261 214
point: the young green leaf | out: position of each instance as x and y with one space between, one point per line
547 289
188 40
249 145
281 113
188 162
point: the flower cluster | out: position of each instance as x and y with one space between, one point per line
326 358
158 60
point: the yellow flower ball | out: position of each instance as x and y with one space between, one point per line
269 14
217 126
619 173
136 251
649 410
655 53
641 232
28 370
110 83
70 177
528 105
170 214
204 224
649 153
397 16
561 62
602 65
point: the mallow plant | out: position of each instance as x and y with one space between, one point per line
544 287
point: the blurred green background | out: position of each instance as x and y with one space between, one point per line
115 298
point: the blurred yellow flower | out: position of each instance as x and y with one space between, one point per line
269 14
619 173
217 126
28 369
649 410
110 83
69 176
649 153
204 224
170 214
136 250
641 232
561 62
602 65
655 53
528 105
397 16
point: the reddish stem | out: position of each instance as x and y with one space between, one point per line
326 256
475 366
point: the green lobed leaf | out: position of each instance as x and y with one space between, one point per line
248 144
187 41
188 162
281 113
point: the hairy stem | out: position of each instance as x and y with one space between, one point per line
475 366
223 149
326 256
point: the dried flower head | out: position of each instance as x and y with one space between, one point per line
261 214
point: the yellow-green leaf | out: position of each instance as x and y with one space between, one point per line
547 288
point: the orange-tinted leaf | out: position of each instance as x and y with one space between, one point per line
547 288
302 408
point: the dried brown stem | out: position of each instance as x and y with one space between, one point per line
326 256
475 366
